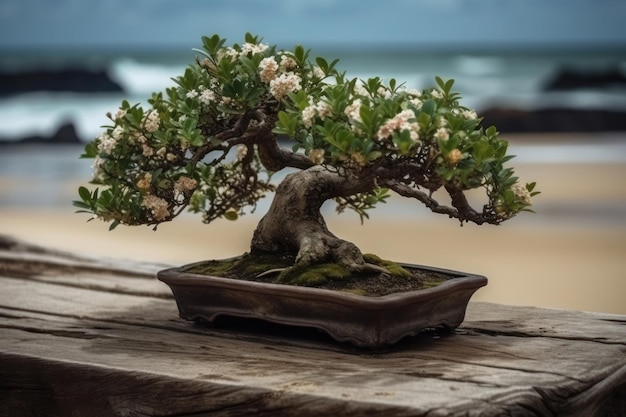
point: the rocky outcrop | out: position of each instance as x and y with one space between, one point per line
65 135
573 79
512 120
69 80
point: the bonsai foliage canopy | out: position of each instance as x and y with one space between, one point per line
241 113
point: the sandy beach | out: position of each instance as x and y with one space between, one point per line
570 255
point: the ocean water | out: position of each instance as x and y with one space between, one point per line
484 78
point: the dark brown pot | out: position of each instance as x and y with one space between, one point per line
364 321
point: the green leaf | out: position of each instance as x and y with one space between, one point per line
440 82
428 107
448 86
200 51
81 205
250 38
286 124
114 225
212 44
491 131
189 124
321 62
231 214
300 55
91 150
423 119
84 193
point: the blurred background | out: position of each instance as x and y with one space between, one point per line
550 75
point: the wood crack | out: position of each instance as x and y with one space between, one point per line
58 333
496 333
96 287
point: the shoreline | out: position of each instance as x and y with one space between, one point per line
527 262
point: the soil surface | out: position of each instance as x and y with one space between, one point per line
402 278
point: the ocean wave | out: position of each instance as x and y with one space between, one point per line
485 81
139 78
43 113
479 65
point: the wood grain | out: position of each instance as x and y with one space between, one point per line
87 337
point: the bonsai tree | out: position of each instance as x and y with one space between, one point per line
243 114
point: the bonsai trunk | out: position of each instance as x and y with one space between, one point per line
294 224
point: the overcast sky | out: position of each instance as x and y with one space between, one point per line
312 22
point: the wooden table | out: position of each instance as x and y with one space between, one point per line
85 337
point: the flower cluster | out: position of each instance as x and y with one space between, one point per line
405 120
151 121
284 84
157 206
269 69
320 109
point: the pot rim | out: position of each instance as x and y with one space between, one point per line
178 276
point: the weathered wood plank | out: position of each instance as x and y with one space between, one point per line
76 335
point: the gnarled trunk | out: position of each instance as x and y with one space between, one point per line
295 225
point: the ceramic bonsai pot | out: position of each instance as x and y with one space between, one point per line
364 321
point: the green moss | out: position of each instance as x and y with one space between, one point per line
219 268
394 268
328 275
434 281
243 267
314 275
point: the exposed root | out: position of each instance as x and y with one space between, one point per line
367 268
271 272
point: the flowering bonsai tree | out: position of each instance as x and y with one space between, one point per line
239 114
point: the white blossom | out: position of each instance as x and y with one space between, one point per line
316 156
147 151
97 167
400 122
323 109
416 102
120 114
383 92
353 110
145 181
318 72
269 68
522 194
117 132
442 134
436 93
308 114
469 114
229 52
287 63
207 97
284 84
254 49
151 121
106 143
359 89
454 156
157 206
414 92
242 152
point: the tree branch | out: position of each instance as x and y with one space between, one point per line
461 209
274 158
